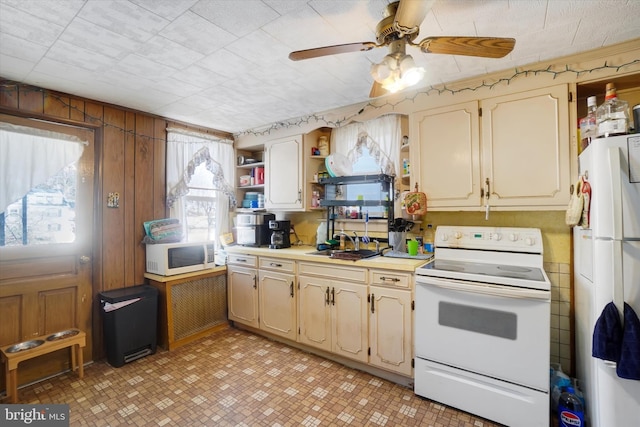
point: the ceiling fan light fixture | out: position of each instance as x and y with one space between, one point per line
381 72
412 76
397 72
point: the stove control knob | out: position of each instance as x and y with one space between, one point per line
496 236
530 241
457 235
513 237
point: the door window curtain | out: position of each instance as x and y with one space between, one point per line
30 156
187 150
380 136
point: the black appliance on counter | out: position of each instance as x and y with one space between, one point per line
280 234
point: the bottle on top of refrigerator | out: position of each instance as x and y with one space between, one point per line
588 124
428 238
612 116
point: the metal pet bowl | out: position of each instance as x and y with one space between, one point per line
63 334
25 345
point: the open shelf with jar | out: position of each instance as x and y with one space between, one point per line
405 163
314 167
250 173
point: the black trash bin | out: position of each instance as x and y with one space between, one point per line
130 323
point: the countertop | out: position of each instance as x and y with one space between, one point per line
301 253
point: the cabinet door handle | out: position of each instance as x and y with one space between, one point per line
373 297
241 260
299 195
274 264
486 196
326 296
333 296
255 282
392 279
291 288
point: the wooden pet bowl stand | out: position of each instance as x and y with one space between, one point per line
13 354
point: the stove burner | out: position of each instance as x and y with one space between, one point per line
514 268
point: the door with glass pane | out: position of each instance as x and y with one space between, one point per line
46 239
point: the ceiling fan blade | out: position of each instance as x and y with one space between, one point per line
410 15
488 47
377 90
331 50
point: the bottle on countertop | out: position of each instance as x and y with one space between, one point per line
588 124
613 115
428 238
570 409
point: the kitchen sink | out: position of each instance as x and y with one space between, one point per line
348 254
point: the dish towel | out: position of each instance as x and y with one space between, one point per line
607 334
629 364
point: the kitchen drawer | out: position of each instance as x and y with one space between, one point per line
277 264
246 260
333 272
390 278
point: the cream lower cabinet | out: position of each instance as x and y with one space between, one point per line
390 321
242 289
333 309
277 297
517 152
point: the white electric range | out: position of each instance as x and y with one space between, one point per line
482 321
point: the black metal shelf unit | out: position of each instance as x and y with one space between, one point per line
334 192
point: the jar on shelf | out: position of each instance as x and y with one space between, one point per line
323 145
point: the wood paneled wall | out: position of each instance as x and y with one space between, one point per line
130 160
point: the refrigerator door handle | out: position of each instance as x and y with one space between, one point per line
615 164
618 279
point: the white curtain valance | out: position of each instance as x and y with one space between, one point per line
30 156
181 188
186 150
198 135
380 136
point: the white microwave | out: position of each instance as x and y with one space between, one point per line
167 259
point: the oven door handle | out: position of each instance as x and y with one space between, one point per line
488 289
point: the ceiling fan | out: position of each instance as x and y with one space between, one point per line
399 28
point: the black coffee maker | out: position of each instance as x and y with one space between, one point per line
280 234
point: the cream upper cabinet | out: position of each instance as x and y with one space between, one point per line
526 148
449 154
284 174
518 151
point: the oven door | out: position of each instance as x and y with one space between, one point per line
493 330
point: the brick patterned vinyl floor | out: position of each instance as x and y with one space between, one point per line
235 378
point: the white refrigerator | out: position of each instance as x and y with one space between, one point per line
607 268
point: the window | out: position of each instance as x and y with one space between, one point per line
46 214
367 165
199 206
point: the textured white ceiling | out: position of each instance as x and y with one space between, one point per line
223 63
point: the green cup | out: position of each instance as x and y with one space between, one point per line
412 247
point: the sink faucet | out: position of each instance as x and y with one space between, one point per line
355 242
